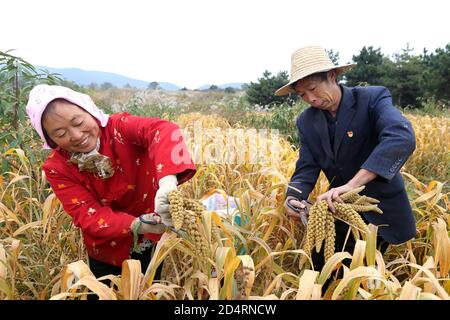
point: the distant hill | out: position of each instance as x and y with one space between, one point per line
83 77
234 85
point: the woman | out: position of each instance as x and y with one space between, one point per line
111 173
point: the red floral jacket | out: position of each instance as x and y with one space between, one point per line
142 150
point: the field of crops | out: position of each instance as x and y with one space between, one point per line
255 252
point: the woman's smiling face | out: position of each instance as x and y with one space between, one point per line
70 127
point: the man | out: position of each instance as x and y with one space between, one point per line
356 137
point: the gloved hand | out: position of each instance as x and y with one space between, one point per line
149 223
166 185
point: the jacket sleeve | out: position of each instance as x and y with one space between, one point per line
98 223
306 170
396 139
164 142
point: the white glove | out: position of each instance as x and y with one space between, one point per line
166 185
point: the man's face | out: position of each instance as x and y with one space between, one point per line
324 95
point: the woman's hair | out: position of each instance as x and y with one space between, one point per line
49 109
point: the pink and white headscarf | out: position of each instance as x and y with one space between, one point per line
41 95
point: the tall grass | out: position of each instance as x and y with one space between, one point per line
430 161
258 255
36 235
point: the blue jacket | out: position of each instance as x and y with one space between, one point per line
371 134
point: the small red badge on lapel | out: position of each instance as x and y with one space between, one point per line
350 134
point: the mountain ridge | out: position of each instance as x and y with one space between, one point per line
87 77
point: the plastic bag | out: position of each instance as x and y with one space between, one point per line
223 206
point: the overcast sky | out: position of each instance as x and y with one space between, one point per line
192 43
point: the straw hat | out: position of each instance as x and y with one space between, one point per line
309 60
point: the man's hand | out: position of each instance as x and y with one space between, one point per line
333 195
302 208
166 185
361 178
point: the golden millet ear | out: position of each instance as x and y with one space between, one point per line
176 208
321 222
186 214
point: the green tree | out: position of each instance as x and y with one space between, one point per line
369 68
334 56
93 86
153 85
404 78
263 91
229 90
437 73
213 88
106 86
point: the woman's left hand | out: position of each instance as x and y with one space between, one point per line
333 195
167 184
